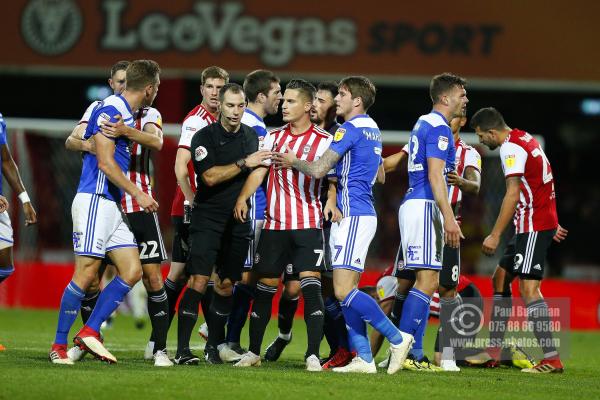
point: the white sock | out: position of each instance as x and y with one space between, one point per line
286 336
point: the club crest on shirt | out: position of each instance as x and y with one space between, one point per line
200 153
442 143
339 134
306 149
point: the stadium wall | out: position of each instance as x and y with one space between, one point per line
40 285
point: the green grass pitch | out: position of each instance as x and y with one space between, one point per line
26 373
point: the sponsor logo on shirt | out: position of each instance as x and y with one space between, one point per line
509 160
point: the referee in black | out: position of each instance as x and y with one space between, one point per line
223 154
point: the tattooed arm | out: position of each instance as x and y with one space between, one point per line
316 169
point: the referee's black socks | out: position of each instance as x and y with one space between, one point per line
187 317
220 308
313 313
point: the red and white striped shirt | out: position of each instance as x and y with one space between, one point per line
197 119
466 156
139 166
522 156
292 197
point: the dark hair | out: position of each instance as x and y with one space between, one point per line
257 82
330 86
141 73
230 87
305 88
486 119
118 66
442 83
360 86
215 73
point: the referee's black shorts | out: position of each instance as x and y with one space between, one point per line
217 241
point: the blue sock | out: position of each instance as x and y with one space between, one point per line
417 349
368 309
108 301
242 296
357 333
69 308
414 312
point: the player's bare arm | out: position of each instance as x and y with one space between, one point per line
330 211
392 163
254 180
152 141
316 169
221 173
75 140
11 172
469 184
507 210
182 158
452 233
380 174
105 148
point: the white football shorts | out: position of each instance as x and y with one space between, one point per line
349 241
6 231
98 226
422 232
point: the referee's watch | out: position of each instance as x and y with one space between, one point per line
241 164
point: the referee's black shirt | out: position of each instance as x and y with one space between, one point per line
214 146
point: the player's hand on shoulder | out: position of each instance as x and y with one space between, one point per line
560 235
115 129
285 159
30 214
257 158
3 204
452 233
490 244
240 211
146 202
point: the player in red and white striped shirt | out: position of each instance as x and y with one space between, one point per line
530 200
207 112
292 233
